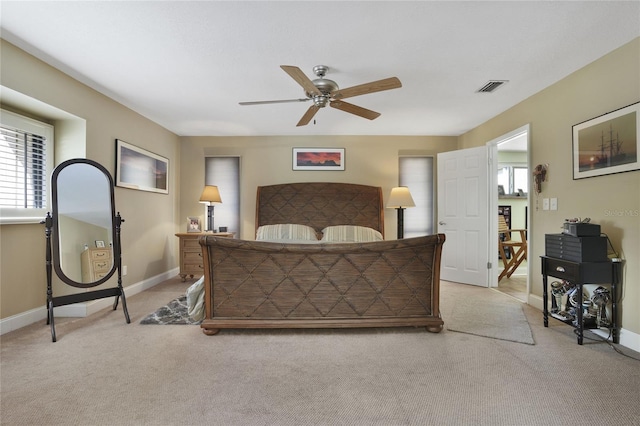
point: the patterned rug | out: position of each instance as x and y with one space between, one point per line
174 312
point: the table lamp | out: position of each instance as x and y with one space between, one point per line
399 199
210 195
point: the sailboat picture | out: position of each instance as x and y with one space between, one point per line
607 144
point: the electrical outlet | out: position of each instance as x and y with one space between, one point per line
124 270
545 204
554 204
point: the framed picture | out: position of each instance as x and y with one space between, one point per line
607 144
193 224
318 158
137 168
99 244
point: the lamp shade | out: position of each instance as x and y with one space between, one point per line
210 195
399 198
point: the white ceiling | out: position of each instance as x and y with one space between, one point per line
186 65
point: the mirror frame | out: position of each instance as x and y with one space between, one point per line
55 228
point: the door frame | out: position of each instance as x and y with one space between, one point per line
493 200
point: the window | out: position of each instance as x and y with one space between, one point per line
513 177
520 179
26 161
224 172
417 174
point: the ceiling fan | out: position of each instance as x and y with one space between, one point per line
323 91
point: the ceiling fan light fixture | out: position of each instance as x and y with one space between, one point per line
320 101
325 86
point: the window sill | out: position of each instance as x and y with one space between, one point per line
26 220
513 197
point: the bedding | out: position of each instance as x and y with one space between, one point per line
286 232
351 234
293 233
331 283
195 300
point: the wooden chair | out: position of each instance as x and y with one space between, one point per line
517 249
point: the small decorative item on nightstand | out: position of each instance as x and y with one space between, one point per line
193 224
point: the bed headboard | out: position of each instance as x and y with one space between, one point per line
320 204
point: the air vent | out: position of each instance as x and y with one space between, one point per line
491 86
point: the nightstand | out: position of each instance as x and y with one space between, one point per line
96 263
191 252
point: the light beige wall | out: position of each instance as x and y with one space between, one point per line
369 160
613 201
148 244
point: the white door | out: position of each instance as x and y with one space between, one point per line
463 215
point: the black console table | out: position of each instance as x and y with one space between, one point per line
580 273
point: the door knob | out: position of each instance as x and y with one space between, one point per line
442 223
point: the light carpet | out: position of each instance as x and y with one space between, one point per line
103 371
489 313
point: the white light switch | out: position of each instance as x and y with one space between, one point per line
554 204
545 204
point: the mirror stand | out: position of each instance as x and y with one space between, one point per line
82 193
117 291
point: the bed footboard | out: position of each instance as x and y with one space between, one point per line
257 284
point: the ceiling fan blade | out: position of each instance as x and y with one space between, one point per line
304 81
354 109
306 118
274 102
363 89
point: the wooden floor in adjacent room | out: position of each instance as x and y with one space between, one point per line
516 285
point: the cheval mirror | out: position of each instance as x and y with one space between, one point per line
84 233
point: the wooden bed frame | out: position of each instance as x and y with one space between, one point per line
260 284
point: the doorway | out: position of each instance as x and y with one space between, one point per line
512 199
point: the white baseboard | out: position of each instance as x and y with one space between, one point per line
628 339
79 310
22 319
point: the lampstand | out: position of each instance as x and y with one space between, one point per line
399 199
210 195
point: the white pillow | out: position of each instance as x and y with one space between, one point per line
286 232
350 234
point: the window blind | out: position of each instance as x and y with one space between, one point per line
417 174
224 172
23 174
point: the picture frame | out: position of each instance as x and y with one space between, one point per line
100 244
137 168
607 144
325 159
194 224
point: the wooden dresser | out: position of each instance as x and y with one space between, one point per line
96 263
191 252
